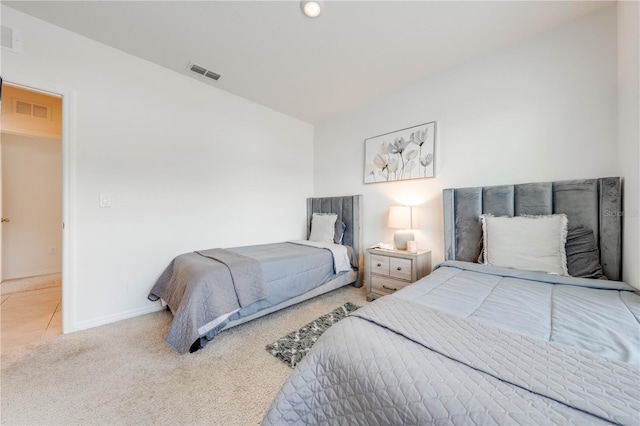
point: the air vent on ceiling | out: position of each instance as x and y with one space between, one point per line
10 39
203 71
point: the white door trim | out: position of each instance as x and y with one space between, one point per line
68 191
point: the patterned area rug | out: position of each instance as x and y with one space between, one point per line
295 345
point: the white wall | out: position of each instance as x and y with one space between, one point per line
538 111
629 132
32 200
187 166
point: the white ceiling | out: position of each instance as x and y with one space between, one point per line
312 69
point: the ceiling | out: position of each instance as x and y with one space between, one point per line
312 69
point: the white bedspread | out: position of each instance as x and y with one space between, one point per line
341 261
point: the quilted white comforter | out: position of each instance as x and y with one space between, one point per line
507 352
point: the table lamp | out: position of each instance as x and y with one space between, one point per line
401 218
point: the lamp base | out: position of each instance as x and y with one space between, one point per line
401 237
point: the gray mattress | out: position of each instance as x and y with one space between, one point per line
472 344
289 269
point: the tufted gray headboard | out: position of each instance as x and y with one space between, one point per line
594 203
349 210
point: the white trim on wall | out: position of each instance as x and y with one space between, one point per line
108 319
68 190
30 273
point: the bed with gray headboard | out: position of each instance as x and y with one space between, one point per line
212 290
478 342
593 203
348 210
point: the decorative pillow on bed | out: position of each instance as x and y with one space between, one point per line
531 243
583 256
338 231
323 227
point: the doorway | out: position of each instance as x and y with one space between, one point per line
32 215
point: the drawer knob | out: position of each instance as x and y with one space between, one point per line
389 288
379 265
399 268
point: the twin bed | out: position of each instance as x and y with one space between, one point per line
209 291
475 343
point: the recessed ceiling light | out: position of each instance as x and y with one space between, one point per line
311 8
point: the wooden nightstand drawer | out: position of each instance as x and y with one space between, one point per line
400 268
384 285
379 265
388 271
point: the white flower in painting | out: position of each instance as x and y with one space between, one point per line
426 160
380 161
393 164
380 164
398 146
384 148
410 155
419 137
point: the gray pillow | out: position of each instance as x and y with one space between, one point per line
583 256
338 231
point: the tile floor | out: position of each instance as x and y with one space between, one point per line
30 316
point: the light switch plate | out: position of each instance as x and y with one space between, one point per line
105 200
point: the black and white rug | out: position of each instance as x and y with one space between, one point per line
295 345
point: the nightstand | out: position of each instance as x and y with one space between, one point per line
388 271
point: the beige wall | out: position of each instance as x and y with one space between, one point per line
32 199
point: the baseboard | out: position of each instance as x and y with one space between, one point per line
108 319
31 274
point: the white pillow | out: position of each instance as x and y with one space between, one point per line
530 243
323 227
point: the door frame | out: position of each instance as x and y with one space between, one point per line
68 190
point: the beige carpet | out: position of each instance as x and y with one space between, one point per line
124 373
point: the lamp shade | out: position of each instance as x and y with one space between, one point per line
400 217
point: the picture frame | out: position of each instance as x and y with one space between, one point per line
400 155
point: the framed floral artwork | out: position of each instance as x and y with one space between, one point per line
400 155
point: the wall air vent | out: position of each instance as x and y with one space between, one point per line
31 109
203 71
10 39
198 69
212 75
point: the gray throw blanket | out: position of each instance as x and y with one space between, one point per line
204 288
246 273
